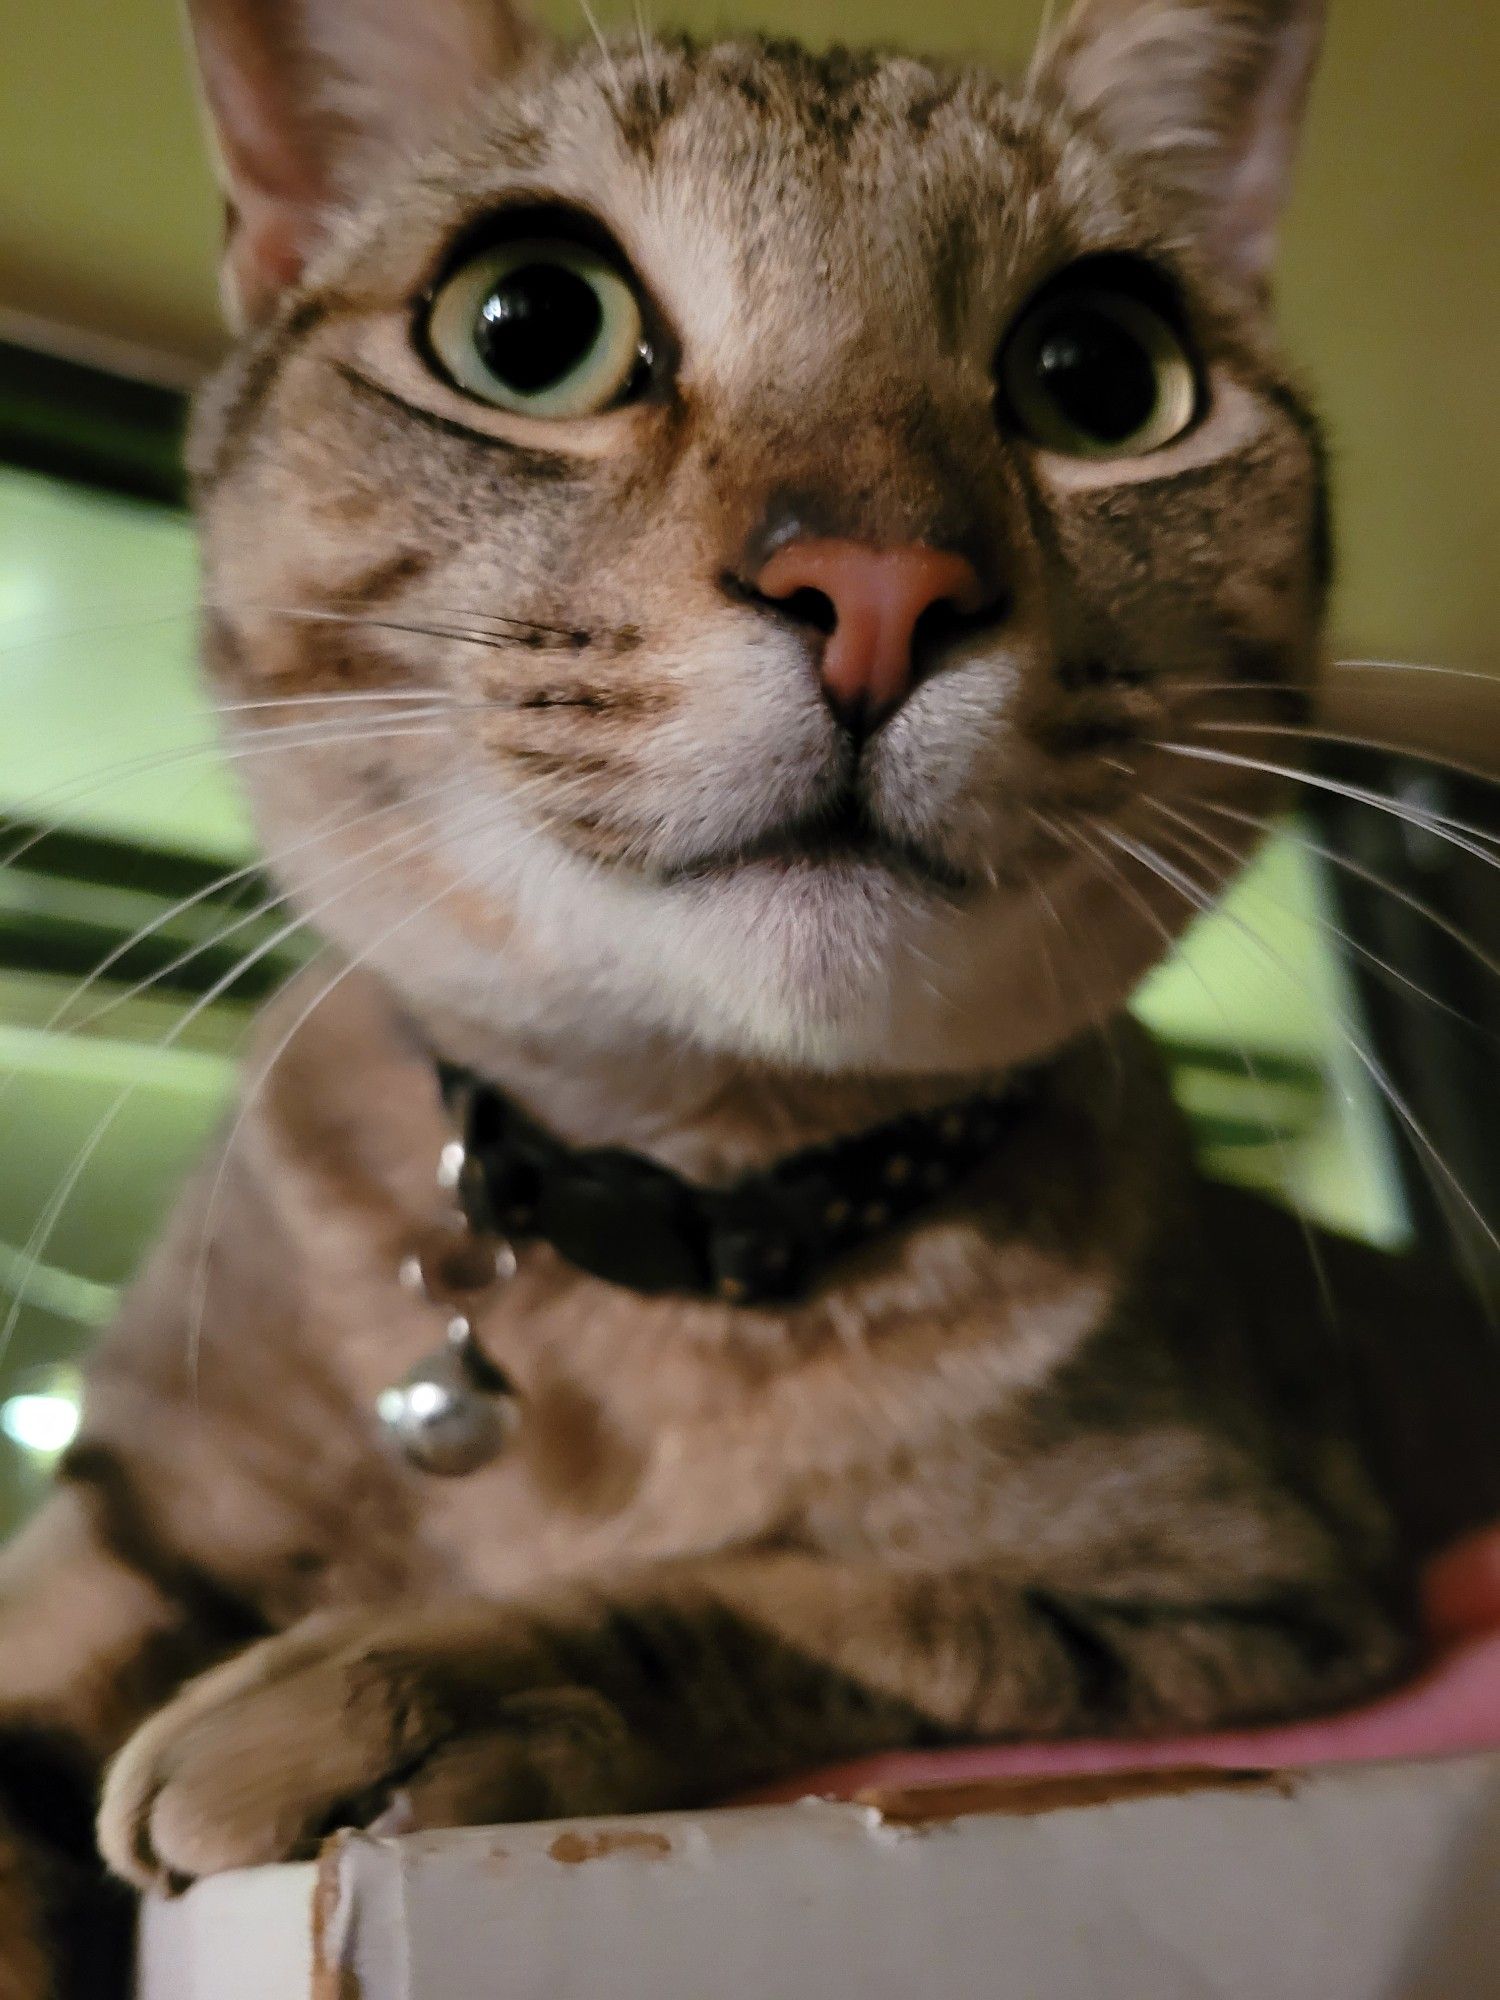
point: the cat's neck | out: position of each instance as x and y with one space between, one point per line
706 1115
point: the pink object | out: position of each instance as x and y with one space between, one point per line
1452 1709
876 597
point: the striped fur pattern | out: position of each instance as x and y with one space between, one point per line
1070 1455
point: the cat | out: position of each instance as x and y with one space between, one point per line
735 542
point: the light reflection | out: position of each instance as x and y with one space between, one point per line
42 1421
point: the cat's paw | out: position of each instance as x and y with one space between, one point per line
350 1725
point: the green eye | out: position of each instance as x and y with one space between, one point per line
547 329
1097 373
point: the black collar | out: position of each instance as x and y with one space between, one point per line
765 1238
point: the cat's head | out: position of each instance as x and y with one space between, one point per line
803 492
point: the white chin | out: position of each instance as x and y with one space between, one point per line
803 963
835 966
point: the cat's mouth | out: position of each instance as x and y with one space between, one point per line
841 834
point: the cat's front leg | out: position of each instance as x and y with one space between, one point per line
345 1717
92 1637
685 1686
654 1694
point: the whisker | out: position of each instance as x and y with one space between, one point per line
459 624
57 1021
616 86
338 822
1392 974
507 641
1039 52
270 739
1443 825
53 1209
1311 733
643 49
1149 858
1273 689
1099 1010
450 621
1413 667
1274 1138
103 628
250 1093
1428 1155
1099 998
1037 888
1350 866
438 697
356 614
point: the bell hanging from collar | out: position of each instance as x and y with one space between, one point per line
454 1411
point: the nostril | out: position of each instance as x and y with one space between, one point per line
885 614
945 624
810 607
807 606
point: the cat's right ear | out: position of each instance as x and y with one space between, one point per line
1206 97
305 96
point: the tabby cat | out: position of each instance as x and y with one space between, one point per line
718 550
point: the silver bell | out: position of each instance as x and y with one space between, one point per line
454 1411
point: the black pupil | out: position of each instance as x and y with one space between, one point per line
1099 375
535 327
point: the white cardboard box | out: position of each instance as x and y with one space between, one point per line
1372 1884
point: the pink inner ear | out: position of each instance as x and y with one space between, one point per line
1207 98
271 151
1451 1709
266 246
275 242
1260 180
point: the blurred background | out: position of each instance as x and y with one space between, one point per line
128 860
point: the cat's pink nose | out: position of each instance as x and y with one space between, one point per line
871 602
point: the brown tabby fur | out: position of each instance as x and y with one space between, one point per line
1068 1455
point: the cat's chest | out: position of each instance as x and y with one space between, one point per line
648 1428
647 1431
629 1440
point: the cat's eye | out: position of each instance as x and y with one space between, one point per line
540 327
1096 371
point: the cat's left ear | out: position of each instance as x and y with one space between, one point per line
1205 97
307 99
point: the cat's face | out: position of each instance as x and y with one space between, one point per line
525 434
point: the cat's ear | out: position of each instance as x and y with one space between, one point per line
1206 96
303 96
